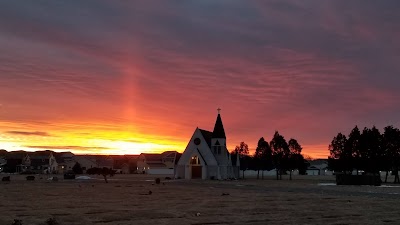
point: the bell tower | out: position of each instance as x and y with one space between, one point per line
218 141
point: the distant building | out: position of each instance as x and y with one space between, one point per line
125 164
206 156
163 163
3 162
318 167
34 162
65 161
14 161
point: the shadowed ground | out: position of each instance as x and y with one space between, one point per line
305 200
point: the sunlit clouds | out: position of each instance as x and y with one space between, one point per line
126 77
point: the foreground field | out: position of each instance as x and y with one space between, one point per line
306 200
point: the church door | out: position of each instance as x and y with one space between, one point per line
196 167
196 172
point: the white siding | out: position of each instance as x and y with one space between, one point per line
160 171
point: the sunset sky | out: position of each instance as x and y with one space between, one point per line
124 77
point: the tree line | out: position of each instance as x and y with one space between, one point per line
277 154
369 151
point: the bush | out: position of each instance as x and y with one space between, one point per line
77 168
158 180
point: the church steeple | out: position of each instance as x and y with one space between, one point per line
219 131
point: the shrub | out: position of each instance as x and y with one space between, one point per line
158 180
77 168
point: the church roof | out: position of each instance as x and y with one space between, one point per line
207 136
219 131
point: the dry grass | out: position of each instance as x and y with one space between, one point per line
122 201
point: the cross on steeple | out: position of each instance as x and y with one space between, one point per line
218 110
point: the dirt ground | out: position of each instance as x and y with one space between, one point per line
305 200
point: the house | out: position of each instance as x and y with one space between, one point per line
85 161
104 161
163 163
3 162
14 161
312 170
206 156
65 161
125 164
318 167
39 162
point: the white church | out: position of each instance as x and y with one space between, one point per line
207 157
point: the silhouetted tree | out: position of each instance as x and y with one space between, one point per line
280 151
294 147
102 171
77 168
295 159
340 155
353 145
242 149
266 158
391 147
262 157
371 152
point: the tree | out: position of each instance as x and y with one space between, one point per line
102 171
371 151
294 146
353 145
242 149
280 150
77 168
295 159
262 156
391 148
340 156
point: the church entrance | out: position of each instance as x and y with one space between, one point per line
196 167
196 172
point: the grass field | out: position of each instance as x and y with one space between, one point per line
305 200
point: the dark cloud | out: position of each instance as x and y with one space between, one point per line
55 147
28 133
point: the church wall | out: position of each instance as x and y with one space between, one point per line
222 158
224 172
204 172
180 171
191 150
212 171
